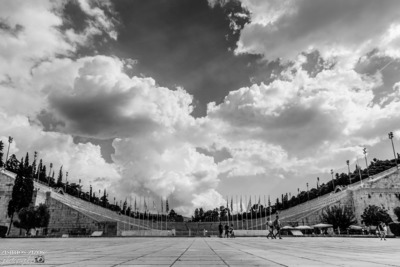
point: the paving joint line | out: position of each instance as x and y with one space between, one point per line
216 253
345 257
183 253
255 255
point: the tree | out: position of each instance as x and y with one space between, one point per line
12 163
60 176
27 167
33 217
21 195
1 153
339 216
397 213
373 215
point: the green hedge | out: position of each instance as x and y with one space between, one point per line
395 228
3 230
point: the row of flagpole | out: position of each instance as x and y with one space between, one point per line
142 212
260 212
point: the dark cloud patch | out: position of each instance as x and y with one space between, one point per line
100 116
13 30
218 155
73 17
185 43
49 121
389 69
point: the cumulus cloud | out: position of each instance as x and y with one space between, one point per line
155 135
101 101
82 161
291 123
284 29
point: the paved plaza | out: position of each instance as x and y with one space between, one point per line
201 252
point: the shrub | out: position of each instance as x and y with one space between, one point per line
395 228
397 213
373 215
339 216
3 230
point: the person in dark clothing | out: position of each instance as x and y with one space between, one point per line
270 227
231 232
277 226
226 228
220 229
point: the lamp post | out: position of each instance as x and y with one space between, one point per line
348 170
10 139
66 181
48 178
308 193
333 182
366 162
394 152
79 192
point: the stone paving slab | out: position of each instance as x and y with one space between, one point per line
246 251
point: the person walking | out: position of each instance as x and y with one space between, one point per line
220 229
382 230
226 228
231 232
277 226
270 227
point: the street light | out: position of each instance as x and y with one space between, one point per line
66 181
308 193
48 178
333 182
10 139
366 162
394 152
348 170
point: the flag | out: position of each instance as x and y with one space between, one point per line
227 203
162 206
135 204
241 206
166 206
317 182
249 206
232 204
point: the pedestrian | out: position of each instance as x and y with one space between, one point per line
226 227
270 227
382 230
277 226
220 229
231 232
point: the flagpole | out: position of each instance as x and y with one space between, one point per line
247 222
241 209
130 209
237 213
265 209
251 215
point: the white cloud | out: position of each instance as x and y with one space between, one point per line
284 29
82 161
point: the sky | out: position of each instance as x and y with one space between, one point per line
197 101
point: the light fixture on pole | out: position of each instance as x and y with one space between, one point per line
348 170
308 193
366 162
333 182
10 139
48 178
394 152
66 181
